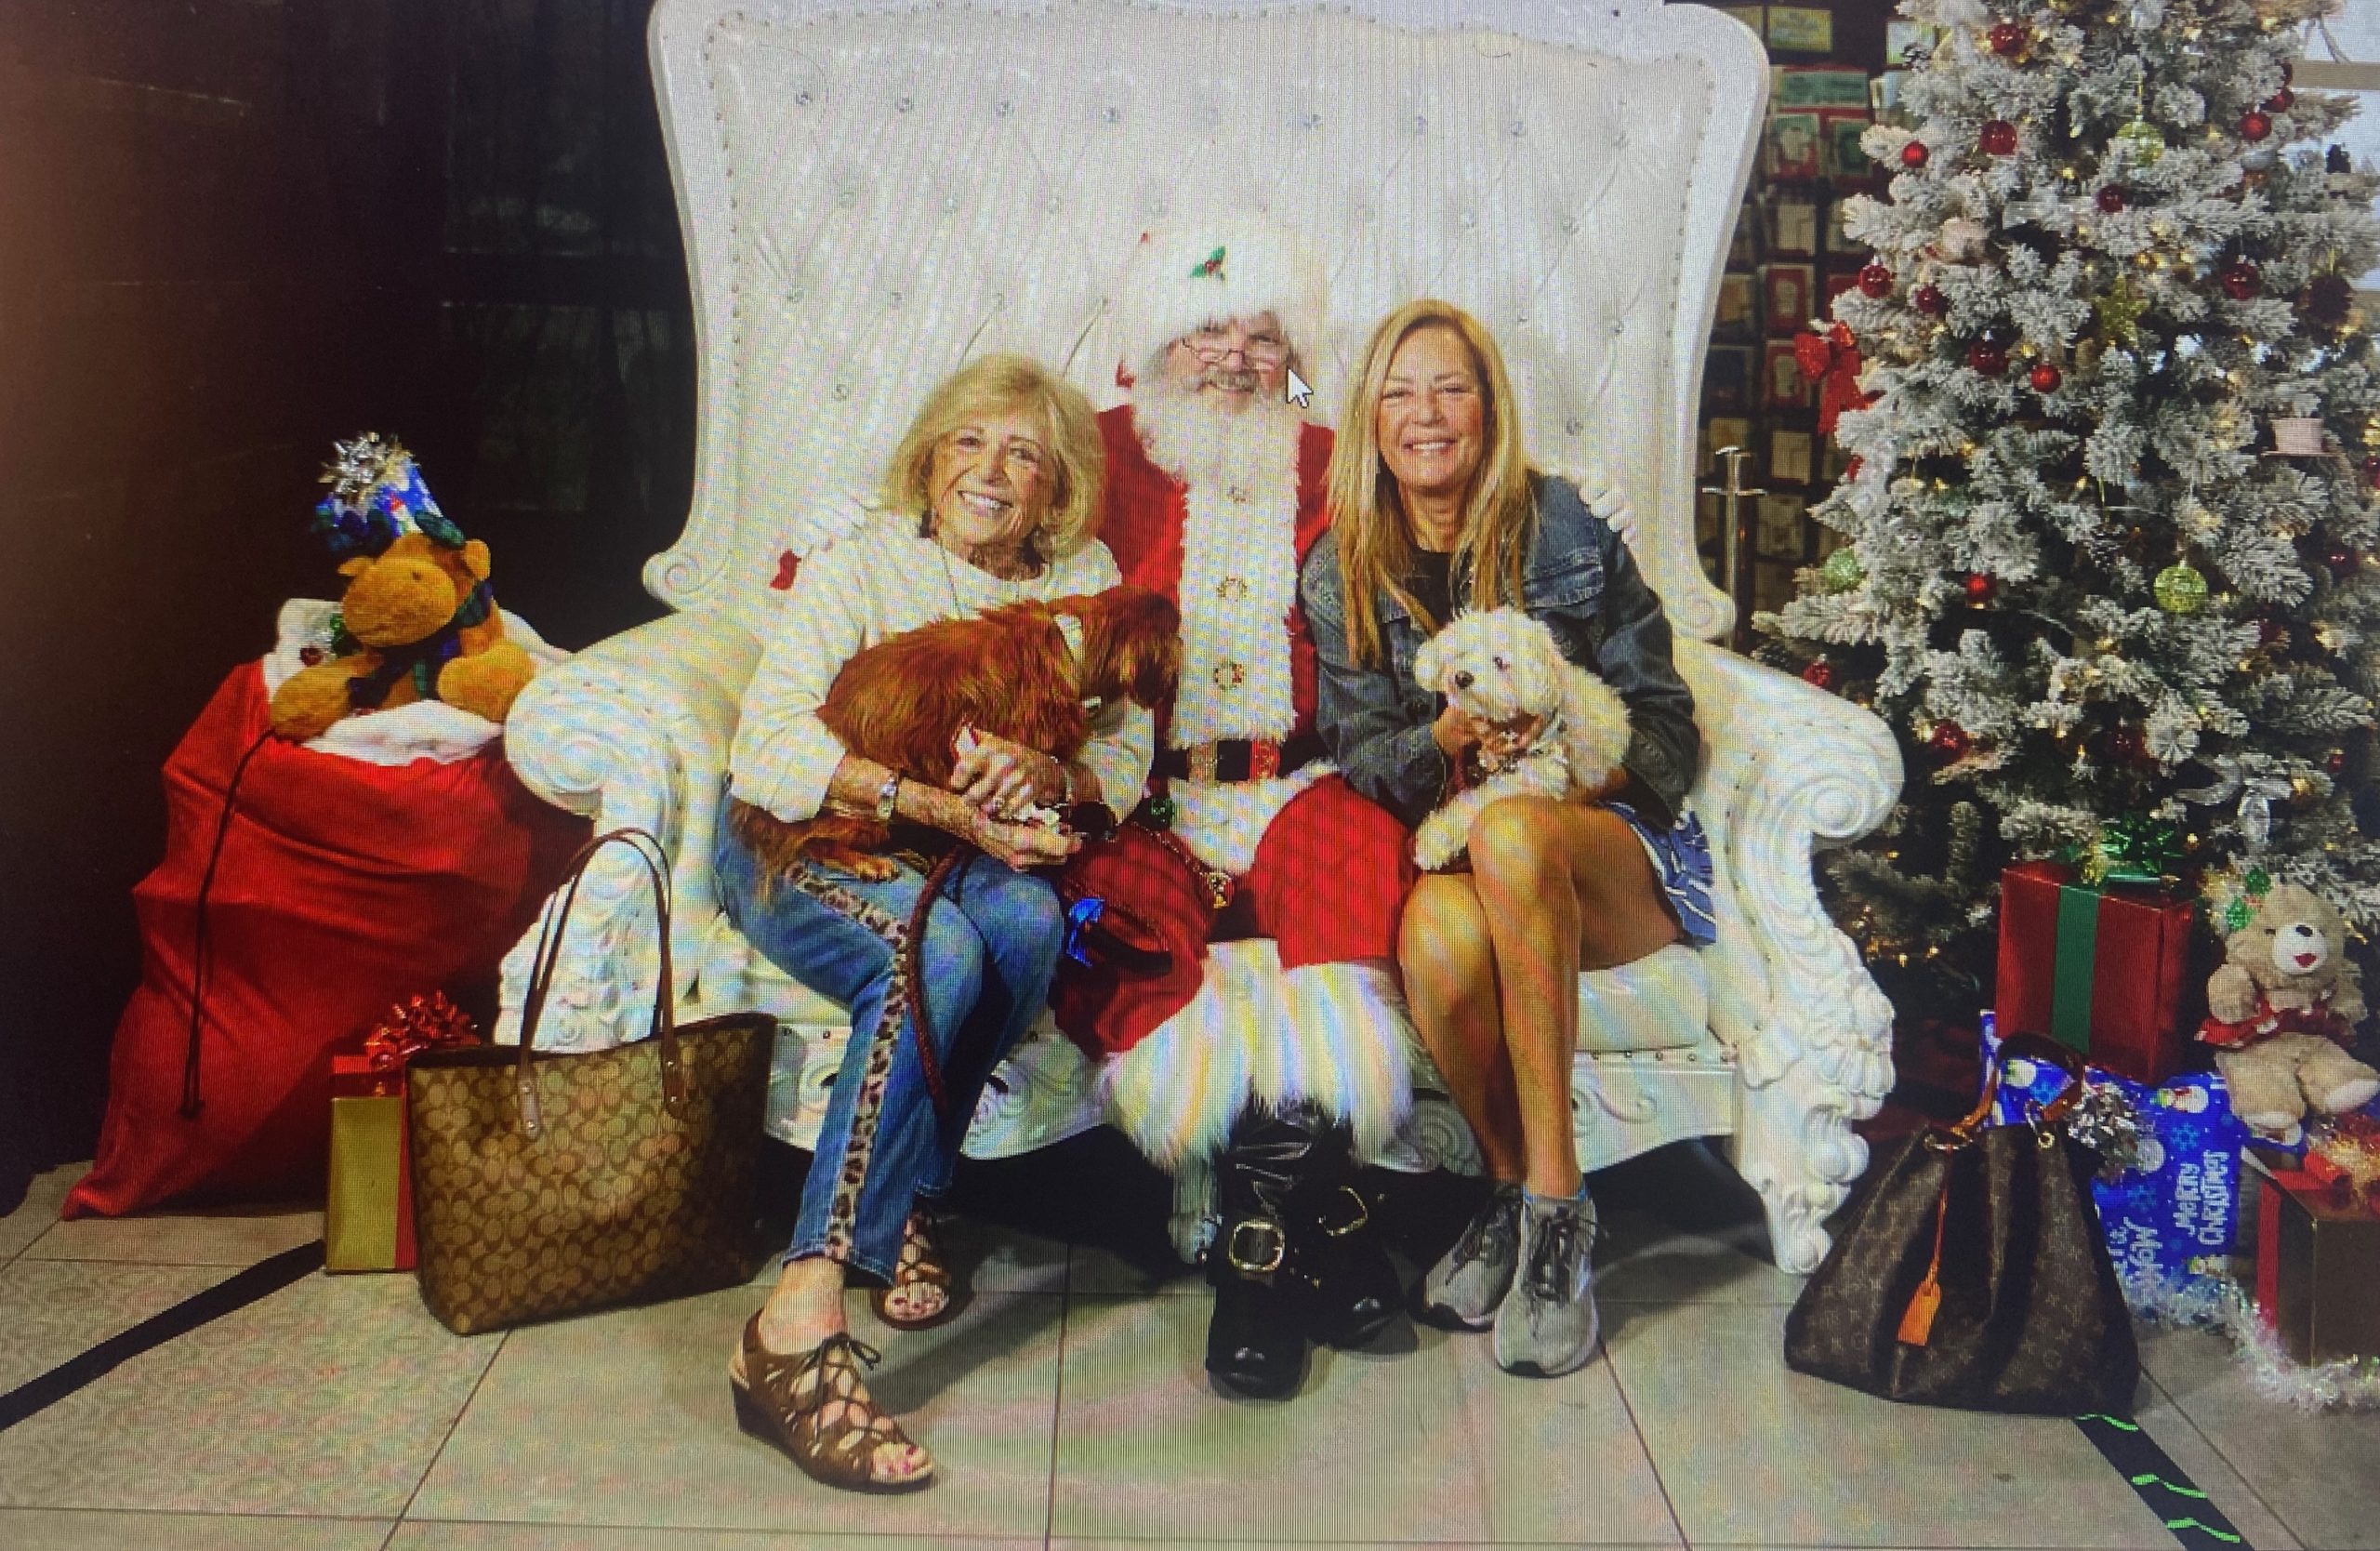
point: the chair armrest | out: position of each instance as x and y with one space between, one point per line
1791 769
635 731
624 731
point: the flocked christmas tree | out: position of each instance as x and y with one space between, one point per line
2107 564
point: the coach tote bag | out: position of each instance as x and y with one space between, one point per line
550 1183
1975 1274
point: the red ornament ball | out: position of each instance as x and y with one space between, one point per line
1818 672
2126 746
2046 378
1930 300
1875 281
1949 740
2281 102
2270 632
2253 126
2335 761
1988 358
2241 280
2112 199
1980 588
1998 138
2341 561
2370 467
1914 155
2008 40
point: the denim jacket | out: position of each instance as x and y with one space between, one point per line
1580 580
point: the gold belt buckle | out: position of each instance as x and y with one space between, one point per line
1267 1232
1202 762
1363 1213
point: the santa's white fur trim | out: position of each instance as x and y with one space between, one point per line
1337 1034
1222 822
1167 289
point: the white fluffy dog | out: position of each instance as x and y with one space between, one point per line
1505 667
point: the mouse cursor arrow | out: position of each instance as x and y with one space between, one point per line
1300 391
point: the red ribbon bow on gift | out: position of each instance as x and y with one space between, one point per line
1832 360
420 1023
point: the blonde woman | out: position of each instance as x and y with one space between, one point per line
1434 508
990 499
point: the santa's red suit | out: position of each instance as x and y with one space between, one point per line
1311 864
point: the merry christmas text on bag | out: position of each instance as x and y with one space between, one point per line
551 1183
1975 1274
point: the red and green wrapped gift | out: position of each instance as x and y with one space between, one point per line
367 1217
2095 954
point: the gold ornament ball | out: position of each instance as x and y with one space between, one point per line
1842 571
2180 588
2148 141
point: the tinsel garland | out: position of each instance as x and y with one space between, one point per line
2346 1383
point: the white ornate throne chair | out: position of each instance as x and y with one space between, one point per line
873 192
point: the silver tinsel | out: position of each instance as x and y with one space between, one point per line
2346 1383
2106 1122
2251 781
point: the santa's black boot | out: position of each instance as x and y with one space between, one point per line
1351 1289
1256 1340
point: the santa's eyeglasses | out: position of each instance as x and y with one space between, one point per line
1263 352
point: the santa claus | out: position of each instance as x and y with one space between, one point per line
1214 496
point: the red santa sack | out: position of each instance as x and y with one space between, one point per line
341 887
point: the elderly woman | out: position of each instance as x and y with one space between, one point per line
990 499
1433 508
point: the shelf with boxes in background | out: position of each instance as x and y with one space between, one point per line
1835 72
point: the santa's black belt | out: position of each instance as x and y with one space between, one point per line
1238 759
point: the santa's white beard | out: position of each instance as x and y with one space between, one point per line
1201 439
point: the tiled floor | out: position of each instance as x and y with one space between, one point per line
1067 1408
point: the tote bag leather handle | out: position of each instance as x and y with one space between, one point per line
549 954
1963 1134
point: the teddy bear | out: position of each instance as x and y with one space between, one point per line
2282 1008
417 621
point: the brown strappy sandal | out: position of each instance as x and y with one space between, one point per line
921 1265
784 1400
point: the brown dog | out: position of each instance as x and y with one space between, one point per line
1009 673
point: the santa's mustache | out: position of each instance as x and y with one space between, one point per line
1230 379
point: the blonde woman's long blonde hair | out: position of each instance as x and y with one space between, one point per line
1376 547
999 384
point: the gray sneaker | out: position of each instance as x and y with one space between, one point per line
1463 1290
1547 1326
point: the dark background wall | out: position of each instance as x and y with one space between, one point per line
232 231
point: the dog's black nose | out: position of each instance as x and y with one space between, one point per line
1463 680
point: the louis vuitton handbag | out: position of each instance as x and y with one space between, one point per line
1975 1274
550 1183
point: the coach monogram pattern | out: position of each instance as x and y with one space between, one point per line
614 1202
551 1183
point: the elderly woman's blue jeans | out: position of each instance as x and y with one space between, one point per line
990 945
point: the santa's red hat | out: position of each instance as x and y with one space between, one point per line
1193 272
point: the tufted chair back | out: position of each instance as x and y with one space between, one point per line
873 193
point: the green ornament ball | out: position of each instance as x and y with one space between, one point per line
1843 570
2147 141
2180 588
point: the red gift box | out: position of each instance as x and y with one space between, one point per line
2318 1255
367 1216
2099 969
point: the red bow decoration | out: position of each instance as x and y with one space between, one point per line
1832 360
417 1024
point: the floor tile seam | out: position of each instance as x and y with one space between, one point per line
1057 1408
1644 1444
2215 1447
448 1439
199 1513
143 1261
